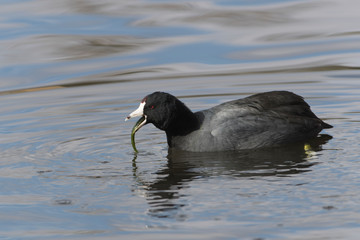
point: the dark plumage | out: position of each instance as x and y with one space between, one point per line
261 120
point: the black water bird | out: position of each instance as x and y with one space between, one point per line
261 120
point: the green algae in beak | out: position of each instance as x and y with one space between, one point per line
136 127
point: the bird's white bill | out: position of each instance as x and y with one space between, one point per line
141 122
138 112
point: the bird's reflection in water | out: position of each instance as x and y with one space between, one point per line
164 194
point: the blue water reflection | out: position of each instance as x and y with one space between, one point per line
71 71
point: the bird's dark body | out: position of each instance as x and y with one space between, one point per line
261 120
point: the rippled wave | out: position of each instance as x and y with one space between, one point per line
71 71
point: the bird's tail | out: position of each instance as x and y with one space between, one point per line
326 125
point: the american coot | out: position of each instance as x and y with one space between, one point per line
261 120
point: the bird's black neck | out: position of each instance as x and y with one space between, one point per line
183 123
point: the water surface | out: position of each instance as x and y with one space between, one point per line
71 71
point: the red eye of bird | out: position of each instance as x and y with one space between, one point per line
152 107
